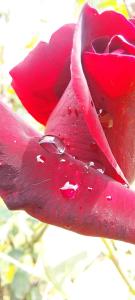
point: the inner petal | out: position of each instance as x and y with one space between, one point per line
121 45
100 44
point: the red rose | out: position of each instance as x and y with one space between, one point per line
74 177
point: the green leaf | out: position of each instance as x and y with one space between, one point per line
20 285
35 294
16 253
5 214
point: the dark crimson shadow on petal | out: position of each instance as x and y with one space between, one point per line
41 78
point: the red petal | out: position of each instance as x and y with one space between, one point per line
58 189
68 123
107 24
132 20
44 74
112 82
81 94
118 42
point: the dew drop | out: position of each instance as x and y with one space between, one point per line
69 110
40 159
105 118
90 188
126 185
69 190
15 141
109 198
93 142
62 160
91 164
76 113
100 111
68 227
52 144
102 171
95 165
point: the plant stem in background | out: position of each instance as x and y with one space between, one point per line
129 10
116 263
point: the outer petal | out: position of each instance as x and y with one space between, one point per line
97 206
68 123
14 138
80 92
44 74
76 113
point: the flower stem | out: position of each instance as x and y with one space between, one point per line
116 263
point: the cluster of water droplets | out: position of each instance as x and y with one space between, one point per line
69 189
95 165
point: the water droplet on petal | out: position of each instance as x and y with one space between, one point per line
100 111
109 198
91 164
96 165
40 159
126 185
76 113
105 118
69 110
102 171
69 190
93 142
67 227
52 144
90 188
62 160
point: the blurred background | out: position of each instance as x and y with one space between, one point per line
37 261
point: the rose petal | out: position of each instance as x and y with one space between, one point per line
82 95
44 74
96 206
132 20
58 189
68 123
108 23
14 137
90 144
119 42
113 90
